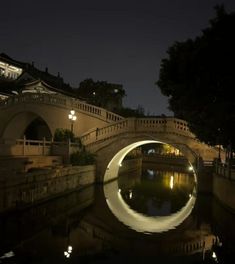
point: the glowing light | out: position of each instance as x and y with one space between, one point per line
119 190
70 248
68 252
150 172
190 168
172 182
72 117
130 194
214 256
151 151
120 164
9 71
8 255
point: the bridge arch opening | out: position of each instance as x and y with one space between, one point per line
116 162
131 218
29 124
37 130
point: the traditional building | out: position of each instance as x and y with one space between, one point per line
19 77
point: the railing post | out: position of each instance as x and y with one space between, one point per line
43 146
131 124
68 154
24 143
51 146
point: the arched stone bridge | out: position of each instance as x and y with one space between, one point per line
111 143
108 135
18 112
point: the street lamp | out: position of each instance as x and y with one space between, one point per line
72 117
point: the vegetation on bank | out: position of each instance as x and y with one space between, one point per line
64 135
80 157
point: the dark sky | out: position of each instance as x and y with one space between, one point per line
116 41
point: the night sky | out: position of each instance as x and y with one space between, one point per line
115 41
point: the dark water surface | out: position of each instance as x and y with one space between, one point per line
139 218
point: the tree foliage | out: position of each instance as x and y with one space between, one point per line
129 112
82 158
63 135
101 93
198 77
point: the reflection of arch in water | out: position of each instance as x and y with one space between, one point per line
141 222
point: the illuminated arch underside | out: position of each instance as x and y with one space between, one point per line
128 216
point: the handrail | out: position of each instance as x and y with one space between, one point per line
28 147
64 101
164 124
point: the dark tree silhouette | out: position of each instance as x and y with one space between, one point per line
101 93
199 78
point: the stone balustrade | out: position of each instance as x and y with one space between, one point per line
26 147
61 101
148 125
224 170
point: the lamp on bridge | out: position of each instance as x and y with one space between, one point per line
72 117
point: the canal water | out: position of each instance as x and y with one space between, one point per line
150 214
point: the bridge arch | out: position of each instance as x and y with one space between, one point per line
115 163
107 141
110 154
54 110
27 123
124 213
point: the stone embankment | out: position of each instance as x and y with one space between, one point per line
19 190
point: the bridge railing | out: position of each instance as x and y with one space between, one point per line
26 147
172 125
225 170
64 101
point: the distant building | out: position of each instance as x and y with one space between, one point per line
19 77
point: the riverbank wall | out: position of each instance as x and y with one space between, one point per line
130 165
224 191
170 160
21 190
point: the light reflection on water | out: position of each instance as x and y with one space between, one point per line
151 201
156 193
49 232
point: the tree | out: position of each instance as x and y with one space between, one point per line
199 78
101 93
82 158
63 135
129 112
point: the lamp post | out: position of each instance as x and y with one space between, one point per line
72 117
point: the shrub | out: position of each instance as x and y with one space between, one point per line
82 158
63 135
